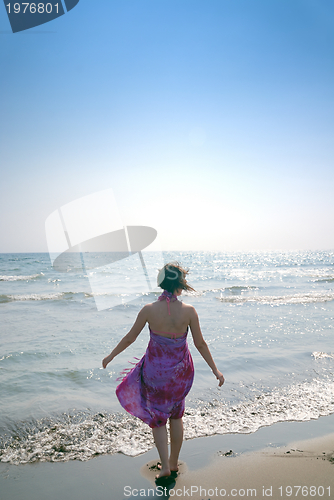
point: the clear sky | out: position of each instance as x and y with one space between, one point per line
211 120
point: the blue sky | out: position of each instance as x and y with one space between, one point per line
212 121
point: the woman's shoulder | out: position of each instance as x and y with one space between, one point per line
147 307
188 306
189 310
150 307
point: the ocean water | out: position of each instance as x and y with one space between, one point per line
268 319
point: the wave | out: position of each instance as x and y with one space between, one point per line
59 296
240 288
83 436
299 298
36 296
66 296
20 278
322 355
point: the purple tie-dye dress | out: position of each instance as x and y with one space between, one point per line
155 389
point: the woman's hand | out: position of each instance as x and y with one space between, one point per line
106 360
220 377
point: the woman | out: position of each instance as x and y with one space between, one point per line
155 389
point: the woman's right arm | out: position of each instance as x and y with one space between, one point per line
129 338
202 346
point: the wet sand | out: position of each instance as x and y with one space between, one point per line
303 469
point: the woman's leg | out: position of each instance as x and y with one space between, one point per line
160 439
176 439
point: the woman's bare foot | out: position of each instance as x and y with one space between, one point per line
163 472
171 468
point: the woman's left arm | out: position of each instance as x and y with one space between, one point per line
202 346
130 337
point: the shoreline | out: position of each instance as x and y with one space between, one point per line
268 458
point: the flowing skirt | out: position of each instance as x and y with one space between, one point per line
155 389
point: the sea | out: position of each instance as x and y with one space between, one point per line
267 317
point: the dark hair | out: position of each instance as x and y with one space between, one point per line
173 277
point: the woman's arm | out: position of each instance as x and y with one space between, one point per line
202 346
129 338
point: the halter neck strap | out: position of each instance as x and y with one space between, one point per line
167 296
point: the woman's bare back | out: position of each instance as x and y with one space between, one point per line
162 323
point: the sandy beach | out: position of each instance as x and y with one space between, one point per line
302 469
287 459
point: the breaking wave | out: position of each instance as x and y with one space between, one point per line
83 436
20 278
322 355
298 298
36 296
